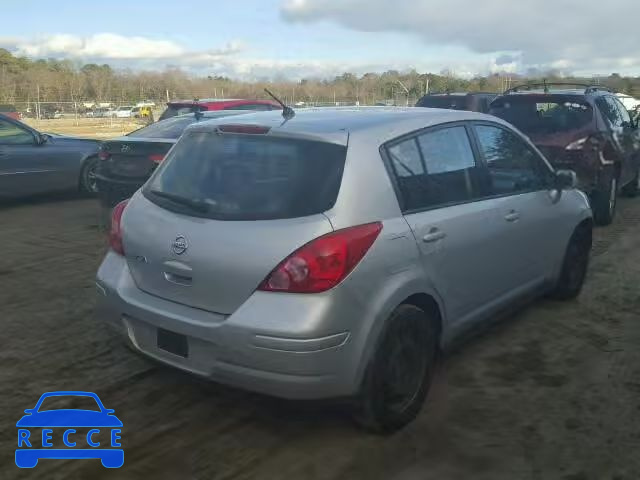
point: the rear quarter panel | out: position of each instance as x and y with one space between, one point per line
391 271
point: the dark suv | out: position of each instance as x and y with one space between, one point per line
585 129
472 101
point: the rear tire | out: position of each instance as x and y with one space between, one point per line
88 181
400 373
574 266
604 202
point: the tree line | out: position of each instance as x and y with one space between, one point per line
51 80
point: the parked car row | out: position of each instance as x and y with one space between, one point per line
335 253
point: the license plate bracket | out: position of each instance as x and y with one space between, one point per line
173 342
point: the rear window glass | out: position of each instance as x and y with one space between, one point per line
446 101
543 115
64 402
248 177
174 110
170 128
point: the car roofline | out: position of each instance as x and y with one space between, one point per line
331 126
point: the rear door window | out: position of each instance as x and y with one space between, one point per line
610 112
435 168
248 177
622 111
514 167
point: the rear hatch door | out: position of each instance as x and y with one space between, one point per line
224 210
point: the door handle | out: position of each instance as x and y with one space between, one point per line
434 235
183 280
512 216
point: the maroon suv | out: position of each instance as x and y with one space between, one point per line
10 111
587 130
181 107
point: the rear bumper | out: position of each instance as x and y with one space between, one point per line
237 350
113 191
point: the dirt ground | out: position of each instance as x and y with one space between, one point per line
100 128
550 393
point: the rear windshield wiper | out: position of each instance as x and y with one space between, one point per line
196 205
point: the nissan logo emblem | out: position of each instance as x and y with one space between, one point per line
179 245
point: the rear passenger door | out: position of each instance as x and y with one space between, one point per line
521 189
618 123
627 141
441 190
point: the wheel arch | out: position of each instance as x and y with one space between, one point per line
428 303
412 293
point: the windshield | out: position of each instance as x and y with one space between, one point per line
540 114
76 402
248 177
170 128
453 102
179 109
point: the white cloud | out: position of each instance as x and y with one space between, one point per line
577 34
232 59
114 47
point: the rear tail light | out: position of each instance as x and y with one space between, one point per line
593 142
577 145
103 155
322 263
156 158
115 235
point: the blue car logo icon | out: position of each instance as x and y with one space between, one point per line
68 420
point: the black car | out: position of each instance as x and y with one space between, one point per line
471 101
32 162
584 128
127 162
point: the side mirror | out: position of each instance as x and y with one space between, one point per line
42 138
29 410
565 179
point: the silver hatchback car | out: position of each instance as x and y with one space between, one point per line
337 253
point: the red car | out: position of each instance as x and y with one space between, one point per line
10 111
180 107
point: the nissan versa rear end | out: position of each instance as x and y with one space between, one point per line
333 254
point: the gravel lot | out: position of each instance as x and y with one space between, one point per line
550 393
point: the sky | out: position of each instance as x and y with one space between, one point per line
294 39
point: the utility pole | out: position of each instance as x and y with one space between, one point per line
38 101
406 90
